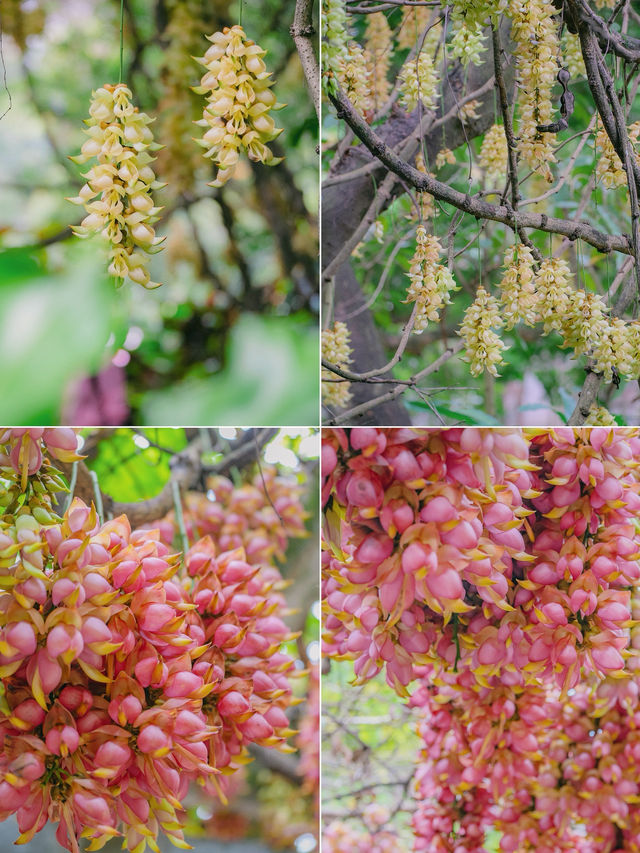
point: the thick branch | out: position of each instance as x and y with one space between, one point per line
470 204
302 32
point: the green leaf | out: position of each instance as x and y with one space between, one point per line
270 379
53 328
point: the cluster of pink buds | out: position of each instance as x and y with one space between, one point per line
127 672
494 572
259 516
239 608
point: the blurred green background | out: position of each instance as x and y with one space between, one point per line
231 337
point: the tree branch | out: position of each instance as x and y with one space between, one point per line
470 204
302 32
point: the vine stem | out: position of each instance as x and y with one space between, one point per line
98 496
121 40
177 508
241 11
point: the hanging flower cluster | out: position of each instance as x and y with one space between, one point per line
121 141
260 515
431 282
418 83
239 102
415 20
517 288
495 574
355 78
336 348
483 346
124 678
335 38
179 160
536 48
494 153
609 167
378 47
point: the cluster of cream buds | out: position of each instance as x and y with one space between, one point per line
103 727
445 157
415 20
600 416
536 48
609 168
483 346
336 348
431 282
378 49
355 78
179 160
468 44
120 139
553 286
240 608
418 82
572 52
260 515
20 23
424 199
494 153
335 38
468 112
239 103
517 287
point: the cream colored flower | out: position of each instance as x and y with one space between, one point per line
418 83
431 282
468 43
468 111
335 38
117 195
609 167
494 153
445 156
536 47
584 322
378 46
554 293
355 78
483 346
600 416
572 53
414 21
517 288
239 103
337 350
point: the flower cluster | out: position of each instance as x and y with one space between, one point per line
335 38
418 83
609 168
415 20
536 48
517 287
120 139
572 53
378 38
483 346
124 677
495 572
259 515
239 102
355 78
431 282
180 159
336 349
20 23
494 153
